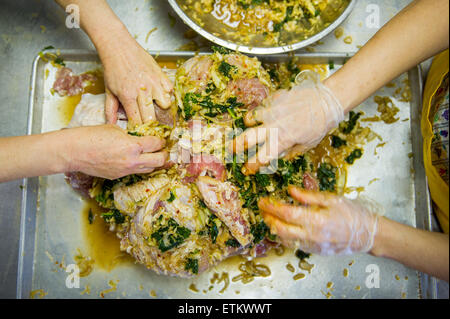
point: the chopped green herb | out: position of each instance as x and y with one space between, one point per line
259 231
300 254
337 142
221 50
273 73
171 198
262 179
326 174
293 69
210 88
279 26
170 236
259 2
183 232
191 265
289 171
115 214
90 216
243 4
60 61
357 153
226 69
331 65
348 126
239 123
232 243
202 204
188 100
306 13
213 231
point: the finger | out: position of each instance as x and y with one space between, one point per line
152 160
150 143
144 170
295 151
254 117
162 96
146 107
166 83
286 231
265 155
249 139
131 108
288 213
310 197
111 107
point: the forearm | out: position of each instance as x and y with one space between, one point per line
35 155
101 24
418 249
418 32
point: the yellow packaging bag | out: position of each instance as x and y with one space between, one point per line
437 80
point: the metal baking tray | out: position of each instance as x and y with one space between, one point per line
51 220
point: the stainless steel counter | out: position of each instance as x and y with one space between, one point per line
27 26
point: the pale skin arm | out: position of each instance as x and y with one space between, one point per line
105 151
425 251
132 76
418 32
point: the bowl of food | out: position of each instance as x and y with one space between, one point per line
263 26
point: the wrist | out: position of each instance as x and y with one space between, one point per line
103 27
333 83
61 150
111 40
382 238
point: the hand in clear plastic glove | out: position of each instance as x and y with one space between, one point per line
292 122
108 151
326 224
134 78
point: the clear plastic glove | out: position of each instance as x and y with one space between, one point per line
326 224
108 151
134 78
300 117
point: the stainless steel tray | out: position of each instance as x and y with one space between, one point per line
51 219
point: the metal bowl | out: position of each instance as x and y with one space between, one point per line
255 49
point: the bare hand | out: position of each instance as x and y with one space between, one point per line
134 78
108 151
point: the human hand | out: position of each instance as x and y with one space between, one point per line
301 118
134 78
107 151
325 224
